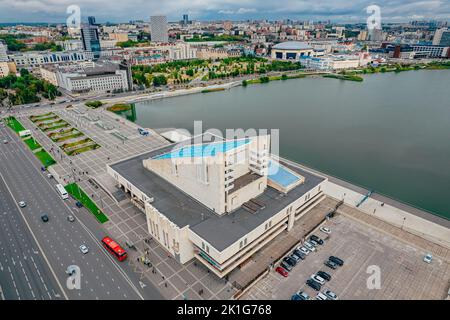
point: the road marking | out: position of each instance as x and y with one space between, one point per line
115 264
34 237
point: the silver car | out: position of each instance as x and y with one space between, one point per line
331 295
84 249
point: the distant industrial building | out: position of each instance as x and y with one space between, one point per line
291 50
215 200
158 29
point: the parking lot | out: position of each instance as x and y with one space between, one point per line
403 274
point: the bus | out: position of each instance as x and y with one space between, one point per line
114 248
62 192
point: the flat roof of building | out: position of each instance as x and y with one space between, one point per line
292 45
182 209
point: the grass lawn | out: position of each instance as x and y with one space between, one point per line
14 124
78 193
72 136
32 144
83 149
45 158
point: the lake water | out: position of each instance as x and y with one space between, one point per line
390 133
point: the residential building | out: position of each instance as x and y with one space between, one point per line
215 200
158 29
442 37
204 52
4 69
71 45
3 51
119 36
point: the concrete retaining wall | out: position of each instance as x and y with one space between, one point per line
390 214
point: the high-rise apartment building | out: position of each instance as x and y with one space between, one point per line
158 29
91 21
442 37
3 54
185 19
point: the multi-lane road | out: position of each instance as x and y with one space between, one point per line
34 255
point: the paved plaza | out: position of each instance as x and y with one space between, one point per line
403 273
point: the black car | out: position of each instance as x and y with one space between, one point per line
299 254
295 257
79 204
290 261
336 260
330 264
44 218
316 239
314 284
286 266
324 275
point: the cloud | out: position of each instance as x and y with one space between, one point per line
238 11
116 11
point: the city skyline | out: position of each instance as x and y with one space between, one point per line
338 11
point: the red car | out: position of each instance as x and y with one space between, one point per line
282 271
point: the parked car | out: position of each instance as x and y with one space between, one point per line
324 275
70 218
428 258
321 296
84 249
296 297
290 261
286 266
316 239
303 295
318 278
282 271
79 204
336 260
325 230
330 264
299 254
313 284
295 257
5 141
44 218
315 244
22 204
303 250
309 245
331 295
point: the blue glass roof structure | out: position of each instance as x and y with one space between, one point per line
280 175
203 150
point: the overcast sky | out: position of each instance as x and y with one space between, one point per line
125 10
